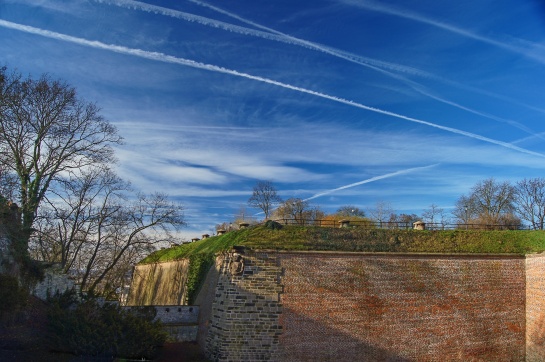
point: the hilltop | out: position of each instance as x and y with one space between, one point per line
272 236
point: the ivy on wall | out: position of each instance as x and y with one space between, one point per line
199 264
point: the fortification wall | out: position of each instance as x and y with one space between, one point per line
326 306
535 308
402 308
245 322
159 284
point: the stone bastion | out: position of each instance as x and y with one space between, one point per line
330 306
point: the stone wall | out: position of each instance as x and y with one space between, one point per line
535 308
180 321
309 306
245 322
55 281
159 284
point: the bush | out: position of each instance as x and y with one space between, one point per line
91 329
273 225
13 297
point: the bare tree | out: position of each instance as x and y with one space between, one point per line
350 211
94 230
146 222
264 196
382 211
402 220
434 214
489 203
298 210
46 130
530 201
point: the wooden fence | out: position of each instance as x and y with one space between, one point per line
369 224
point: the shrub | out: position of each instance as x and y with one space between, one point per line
13 297
93 329
273 225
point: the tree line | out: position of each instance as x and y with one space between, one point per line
489 203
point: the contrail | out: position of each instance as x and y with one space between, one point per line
376 178
161 57
269 34
275 35
378 65
407 14
510 122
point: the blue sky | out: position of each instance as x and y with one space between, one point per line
336 101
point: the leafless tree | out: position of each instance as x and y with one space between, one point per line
402 220
382 211
350 211
489 203
298 210
530 201
434 214
96 230
45 131
264 197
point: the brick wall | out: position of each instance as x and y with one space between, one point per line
159 284
402 307
535 308
373 307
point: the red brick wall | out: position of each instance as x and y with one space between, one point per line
361 307
535 308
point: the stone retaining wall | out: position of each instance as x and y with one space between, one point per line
181 322
245 323
312 306
159 284
535 308
55 281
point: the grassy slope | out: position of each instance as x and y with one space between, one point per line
362 240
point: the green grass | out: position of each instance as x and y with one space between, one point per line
361 240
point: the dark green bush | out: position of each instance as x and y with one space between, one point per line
273 225
91 329
13 297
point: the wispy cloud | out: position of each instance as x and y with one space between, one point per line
373 179
527 48
161 57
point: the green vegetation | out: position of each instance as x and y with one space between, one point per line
199 264
361 240
273 236
89 329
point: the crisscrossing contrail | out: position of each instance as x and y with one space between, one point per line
161 57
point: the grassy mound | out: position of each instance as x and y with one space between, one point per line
360 240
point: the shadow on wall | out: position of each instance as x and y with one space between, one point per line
159 284
402 308
321 342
